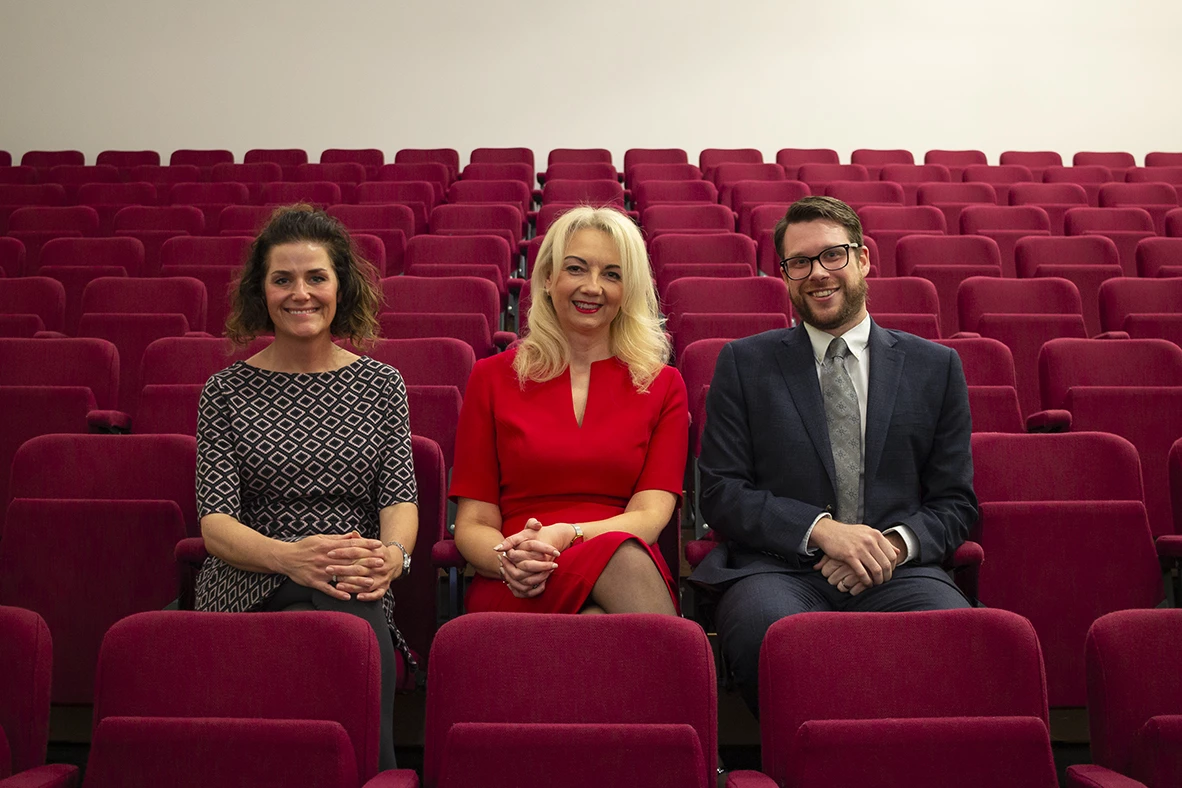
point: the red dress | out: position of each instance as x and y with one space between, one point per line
522 449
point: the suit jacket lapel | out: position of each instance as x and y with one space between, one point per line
886 365
795 357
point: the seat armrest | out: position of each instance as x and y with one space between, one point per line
50 335
1112 335
52 775
1169 547
191 552
108 422
696 551
445 555
965 335
970 554
394 778
1049 421
1089 775
502 339
199 334
515 285
749 778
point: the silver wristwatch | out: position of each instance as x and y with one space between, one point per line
405 555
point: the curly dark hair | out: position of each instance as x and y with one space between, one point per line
359 295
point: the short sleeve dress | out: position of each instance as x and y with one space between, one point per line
522 449
293 455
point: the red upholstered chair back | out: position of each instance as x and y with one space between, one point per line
110 467
640 173
634 156
441 361
1092 220
201 158
593 192
1068 466
429 294
914 251
866 192
500 171
1067 363
687 218
986 361
1156 254
26 652
701 249
578 156
45 159
1120 298
904 295
35 295
982 295
312 665
1133 676
792 158
713 157
627 668
960 663
581 171
182 218
150 295
92 363
708 294
955 160
452 249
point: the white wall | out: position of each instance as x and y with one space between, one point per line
1065 75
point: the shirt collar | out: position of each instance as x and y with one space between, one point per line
856 339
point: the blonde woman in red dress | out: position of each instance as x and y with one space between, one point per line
571 449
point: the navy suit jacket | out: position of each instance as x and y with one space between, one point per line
767 468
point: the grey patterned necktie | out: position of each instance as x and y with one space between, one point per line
845 430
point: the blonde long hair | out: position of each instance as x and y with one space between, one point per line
637 335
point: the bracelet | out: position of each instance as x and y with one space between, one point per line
405 555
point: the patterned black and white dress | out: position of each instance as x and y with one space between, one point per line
297 454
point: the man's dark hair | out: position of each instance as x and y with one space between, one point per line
810 209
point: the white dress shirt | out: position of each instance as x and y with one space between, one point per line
857 364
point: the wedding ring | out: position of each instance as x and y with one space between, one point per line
334 578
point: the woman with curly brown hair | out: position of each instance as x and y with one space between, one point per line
305 485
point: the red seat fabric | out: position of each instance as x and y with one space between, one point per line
746 196
953 198
595 192
1171 175
1133 692
269 648
287 158
986 362
695 326
253 175
1000 176
687 218
206 160
345 174
1124 226
45 159
817 174
413 305
433 173
1005 224
911 176
74 279
17 174
126 159
763 294
109 198
732 172
1087 261
947 261
634 156
662 172
211 198
1066 466
319 193
1090 177
702 249
860 193
36 295
243 219
131 334
904 295
951 676
1159 257
164 176
1157 199
658 670
955 160
513 193
656 192
995 409
125 253
419 196
1105 540
1120 298
26 652
1116 161
156 295
888 223
791 158
874 159
1054 198
460 250
86 589
370 158
478 219
578 156
580 171
448 157
710 158
1035 161
500 171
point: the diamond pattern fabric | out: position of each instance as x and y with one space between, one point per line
292 455
845 430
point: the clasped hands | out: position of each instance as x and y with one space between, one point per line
362 567
856 557
527 558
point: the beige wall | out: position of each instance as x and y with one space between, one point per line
1006 74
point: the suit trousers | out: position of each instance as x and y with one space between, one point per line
752 604
293 596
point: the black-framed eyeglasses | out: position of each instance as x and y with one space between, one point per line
832 259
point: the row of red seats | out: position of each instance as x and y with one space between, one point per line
172 702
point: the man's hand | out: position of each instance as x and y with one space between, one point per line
855 554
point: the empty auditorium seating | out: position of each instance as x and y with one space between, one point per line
658 672
1005 224
1156 199
18 174
164 176
1090 177
433 173
109 198
816 175
1088 261
1001 177
1022 313
1134 700
594 192
955 160
874 160
47 159
731 172
14 196
704 249
861 193
419 196
125 253
448 157
648 193
710 158
680 218
953 198
254 176
126 159
1054 198
287 158
345 174
1122 298
989 372
791 158
487 256
887 224
581 171
705 307
243 219
478 219
911 176
113 559
318 193
1116 161
1125 226
415 307
662 172
947 261
905 295
206 160
26 653
1035 161
500 171
370 158
155 295
216 262
394 224
211 198
12 257
168 705
1171 175
972 702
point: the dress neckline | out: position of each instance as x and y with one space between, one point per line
350 365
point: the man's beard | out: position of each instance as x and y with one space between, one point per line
853 299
